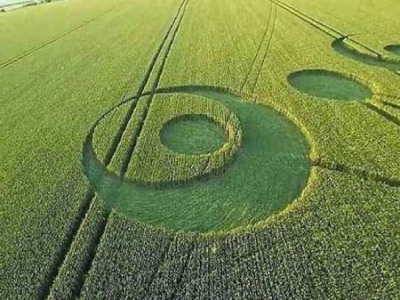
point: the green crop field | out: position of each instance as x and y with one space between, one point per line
200 149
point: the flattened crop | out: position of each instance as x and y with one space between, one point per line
327 84
269 171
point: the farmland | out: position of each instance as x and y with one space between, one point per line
214 149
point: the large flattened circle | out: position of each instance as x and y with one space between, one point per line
329 85
270 171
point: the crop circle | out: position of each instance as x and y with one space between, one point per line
330 85
192 134
269 169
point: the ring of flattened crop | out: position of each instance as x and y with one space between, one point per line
269 171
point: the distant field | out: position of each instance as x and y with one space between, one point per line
214 149
7 2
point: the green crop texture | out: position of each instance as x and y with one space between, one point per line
200 149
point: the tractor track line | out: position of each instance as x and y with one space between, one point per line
385 102
296 11
179 282
157 267
388 96
136 133
266 51
92 253
66 245
395 106
304 17
130 150
90 194
259 49
139 94
36 48
363 174
382 113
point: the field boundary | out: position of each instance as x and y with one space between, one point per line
36 48
17 3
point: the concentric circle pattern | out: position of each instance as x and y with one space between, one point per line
260 169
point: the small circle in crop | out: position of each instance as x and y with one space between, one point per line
329 85
192 134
